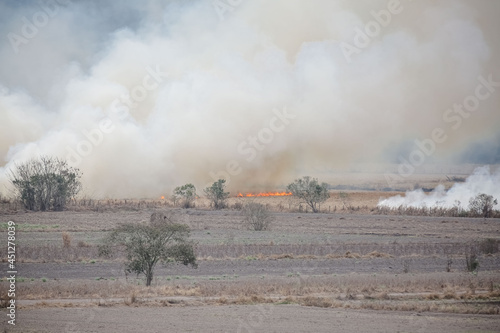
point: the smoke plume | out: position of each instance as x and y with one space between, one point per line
481 181
144 96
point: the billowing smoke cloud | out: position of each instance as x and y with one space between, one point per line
459 195
145 96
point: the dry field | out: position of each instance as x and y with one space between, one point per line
347 266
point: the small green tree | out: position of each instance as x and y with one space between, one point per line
187 193
45 183
309 191
216 194
482 205
148 244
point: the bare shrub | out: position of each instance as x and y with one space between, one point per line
489 246
471 260
174 199
482 205
83 244
132 299
406 265
449 261
257 217
45 183
160 217
4 299
66 237
237 205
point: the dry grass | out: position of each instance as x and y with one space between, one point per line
66 237
430 211
360 201
448 300
430 292
54 253
374 286
364 202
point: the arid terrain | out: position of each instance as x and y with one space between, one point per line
349 268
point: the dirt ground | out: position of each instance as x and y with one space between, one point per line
245 318
345 256
241 268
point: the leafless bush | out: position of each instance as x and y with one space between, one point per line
83 244
257 217
66 237
406 265
45 183
471 260
489 246
132 299
187 204
449 261
482 205
237 205
4 299
160 217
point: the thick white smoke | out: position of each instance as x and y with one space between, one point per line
144 96
481 181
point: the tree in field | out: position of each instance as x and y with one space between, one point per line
216 194
187 193
147 244
482 205
257 217
45 183
309 191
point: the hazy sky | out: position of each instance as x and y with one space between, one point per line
143 96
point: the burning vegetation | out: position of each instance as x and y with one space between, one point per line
264 194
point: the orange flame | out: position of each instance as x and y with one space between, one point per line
162 197
265 194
